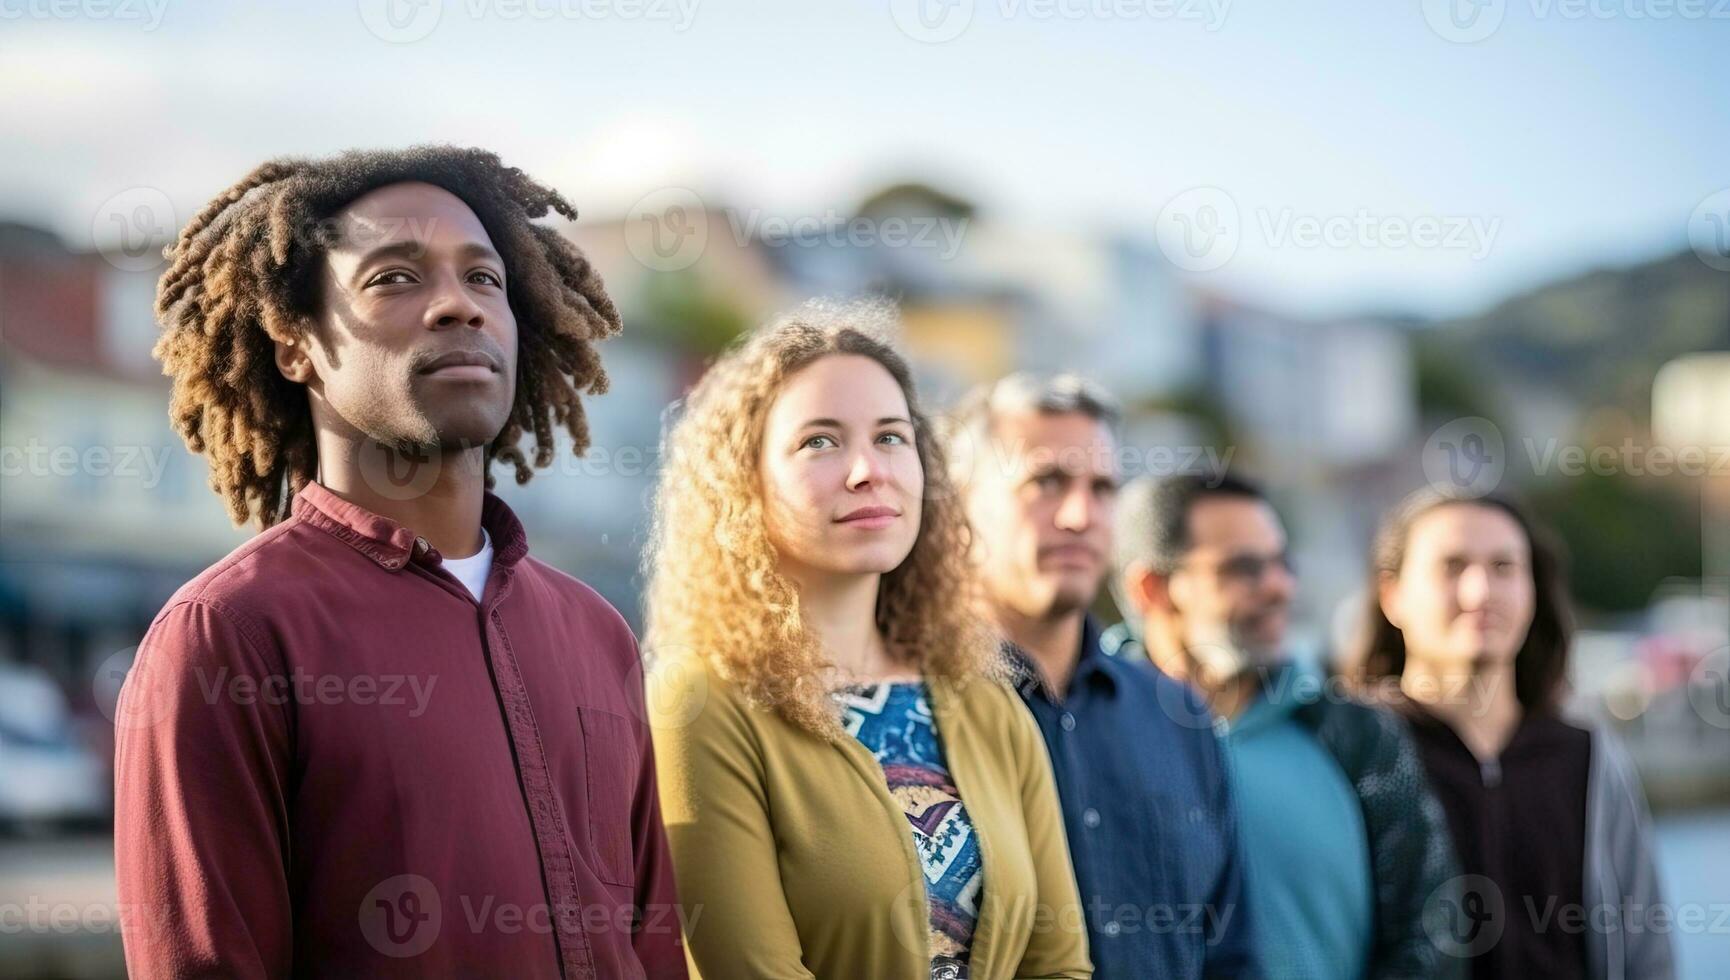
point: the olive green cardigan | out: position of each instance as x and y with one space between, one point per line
793 860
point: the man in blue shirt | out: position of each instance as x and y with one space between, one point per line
1146 801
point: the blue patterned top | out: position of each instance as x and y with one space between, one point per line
894 722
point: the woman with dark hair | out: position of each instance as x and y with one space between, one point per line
1469 627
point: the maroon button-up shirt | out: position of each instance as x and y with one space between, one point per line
334 762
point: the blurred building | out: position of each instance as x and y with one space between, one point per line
1321 411
103 512
1313 408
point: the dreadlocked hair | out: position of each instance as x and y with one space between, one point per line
244 273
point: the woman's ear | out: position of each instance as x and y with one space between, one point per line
293 360
1388 597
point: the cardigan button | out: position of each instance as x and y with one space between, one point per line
1090 818
1067 721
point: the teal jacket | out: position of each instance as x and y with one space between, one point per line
1412 859
1411 856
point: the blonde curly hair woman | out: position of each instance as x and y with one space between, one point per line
849 786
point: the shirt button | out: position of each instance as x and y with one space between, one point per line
1067 721
1090 818
1110 928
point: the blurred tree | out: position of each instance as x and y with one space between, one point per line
914 198
682 311
1599 337
1447 385
1625 534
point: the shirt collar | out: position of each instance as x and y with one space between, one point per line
1095 666
392 545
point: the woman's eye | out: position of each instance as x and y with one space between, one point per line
895 438
817 442
486 277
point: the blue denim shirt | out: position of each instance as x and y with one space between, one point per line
1148 808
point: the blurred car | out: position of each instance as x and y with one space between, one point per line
48 777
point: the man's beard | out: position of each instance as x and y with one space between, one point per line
423 442
400 422
1066 602
1219 654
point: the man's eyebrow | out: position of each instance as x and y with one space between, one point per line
394 250
1046 469
480 249
410 249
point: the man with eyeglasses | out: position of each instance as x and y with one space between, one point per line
1343 843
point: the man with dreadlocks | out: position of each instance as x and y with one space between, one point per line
379 739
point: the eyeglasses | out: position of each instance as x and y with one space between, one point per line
1250 568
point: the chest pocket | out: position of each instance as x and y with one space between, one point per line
610 762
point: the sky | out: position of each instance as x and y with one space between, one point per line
1354 157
